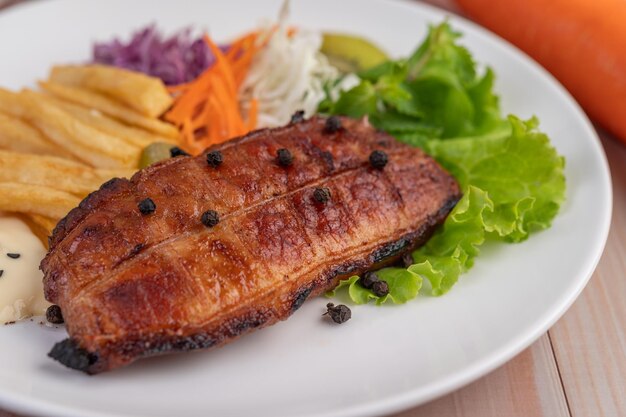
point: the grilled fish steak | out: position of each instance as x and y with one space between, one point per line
135 283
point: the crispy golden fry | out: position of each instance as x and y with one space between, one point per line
18 136
110 107
106 124
11 104
58 173
41 226
143 93
46 223
35 199
86 143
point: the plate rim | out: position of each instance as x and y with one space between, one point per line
21 403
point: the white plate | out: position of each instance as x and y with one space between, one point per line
384 359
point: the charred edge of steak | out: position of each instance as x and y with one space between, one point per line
300 297
391 249
70 354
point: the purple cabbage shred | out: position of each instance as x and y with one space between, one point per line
177 59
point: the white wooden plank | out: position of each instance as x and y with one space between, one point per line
590 340
527 386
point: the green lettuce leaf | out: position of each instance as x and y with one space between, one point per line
451 251
404 285
511 176
522 173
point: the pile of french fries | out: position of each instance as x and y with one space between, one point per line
87 125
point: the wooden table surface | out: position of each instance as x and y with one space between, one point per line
576 369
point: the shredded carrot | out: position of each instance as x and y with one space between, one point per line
207 109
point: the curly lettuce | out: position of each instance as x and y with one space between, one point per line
511 176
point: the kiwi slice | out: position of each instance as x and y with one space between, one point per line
350 53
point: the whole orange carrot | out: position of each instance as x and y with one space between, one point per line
581 42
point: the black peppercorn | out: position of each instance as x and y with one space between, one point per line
284 157
333 124
176 151
378 159
407 259
297 117
54 315
321 195
380 288
210 218
13 255
214 158
372 282
368 279
146 206
339 314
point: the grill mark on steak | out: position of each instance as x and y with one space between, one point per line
143 247
94 200
132 286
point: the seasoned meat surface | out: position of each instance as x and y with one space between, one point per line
133 284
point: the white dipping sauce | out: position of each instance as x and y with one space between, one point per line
21 287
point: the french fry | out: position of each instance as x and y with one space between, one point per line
110 107
35 199
41 226
141 92
73 137
58 173
86 143
106 124
11 104
46 223
18 136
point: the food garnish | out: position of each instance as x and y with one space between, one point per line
175 151
321 195
54 315
378 159
288 73
333 125
210 218
214 158
370 281
207 110
512 178
146 206
339 314
350 53
154 153
176 59
284 157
